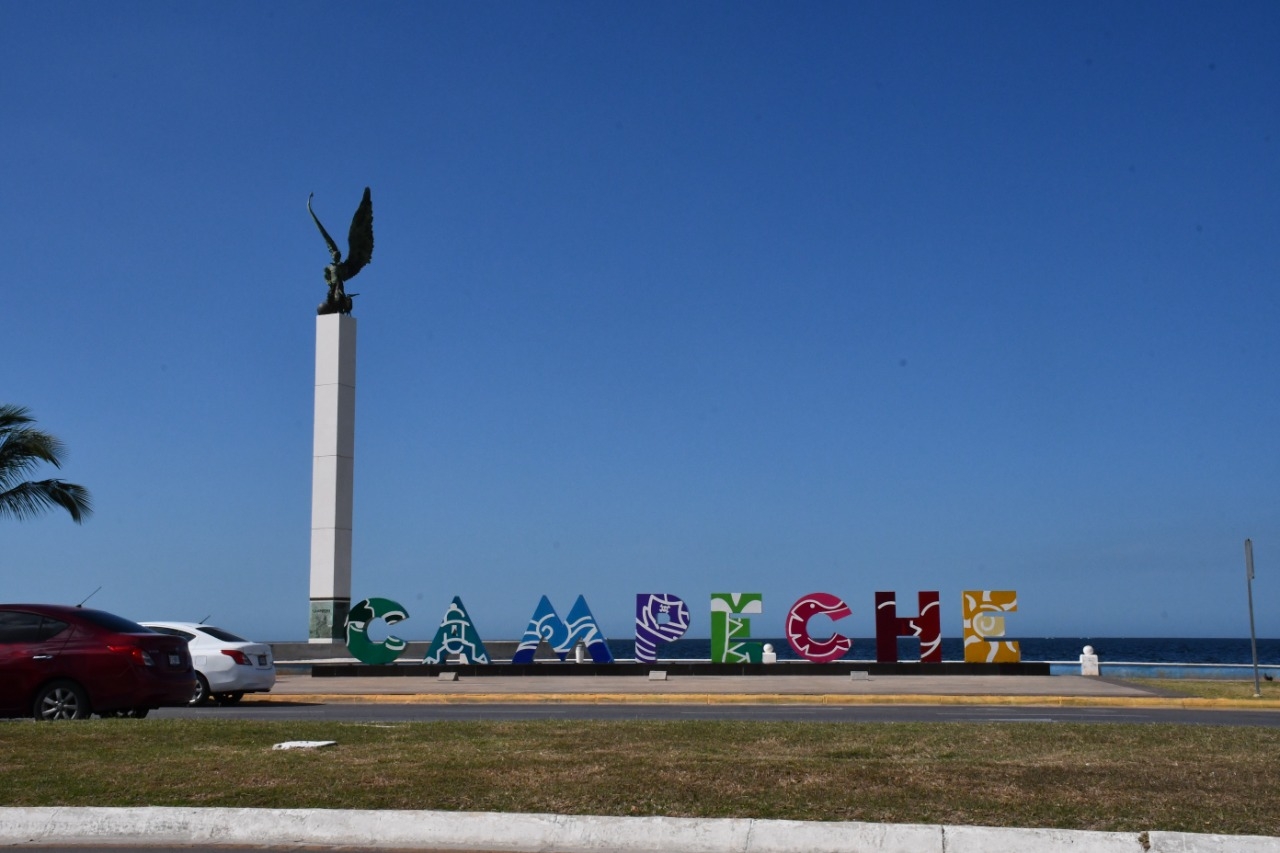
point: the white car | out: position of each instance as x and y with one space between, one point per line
227 666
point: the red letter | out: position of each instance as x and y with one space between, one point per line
927 627
818 651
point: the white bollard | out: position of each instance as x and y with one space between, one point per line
1088 662
579 653
768 655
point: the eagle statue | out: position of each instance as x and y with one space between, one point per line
359 253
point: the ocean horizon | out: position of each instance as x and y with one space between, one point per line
1180 650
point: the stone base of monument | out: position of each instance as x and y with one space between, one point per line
845 669
336 651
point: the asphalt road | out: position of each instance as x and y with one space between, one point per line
409 712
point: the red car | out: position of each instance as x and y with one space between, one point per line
64 663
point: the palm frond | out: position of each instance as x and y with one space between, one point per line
32 498
13 416
22 448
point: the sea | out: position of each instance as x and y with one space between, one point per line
1158 650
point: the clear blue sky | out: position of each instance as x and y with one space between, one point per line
667 297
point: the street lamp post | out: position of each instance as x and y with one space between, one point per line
1253 637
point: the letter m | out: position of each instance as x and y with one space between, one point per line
546 624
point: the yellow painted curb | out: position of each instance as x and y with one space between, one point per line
760 699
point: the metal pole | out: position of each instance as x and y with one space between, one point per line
1253 637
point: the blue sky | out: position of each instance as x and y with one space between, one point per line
666 297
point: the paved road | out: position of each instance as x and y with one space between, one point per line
411 712
811 698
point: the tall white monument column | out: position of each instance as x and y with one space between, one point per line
333 476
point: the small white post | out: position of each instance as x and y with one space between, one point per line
768 655
1088 662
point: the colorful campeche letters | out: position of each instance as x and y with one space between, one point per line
562 636
457 636
729 630
664 618
982 619
818 651
927 627
358 621
660 618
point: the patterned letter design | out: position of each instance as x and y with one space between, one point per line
927 627
650 630
730 632
457 636
545 624
982 619
358 620
818 651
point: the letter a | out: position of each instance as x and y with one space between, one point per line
457 636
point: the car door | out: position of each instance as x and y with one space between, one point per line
28 655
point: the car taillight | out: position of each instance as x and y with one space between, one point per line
239 657
137 655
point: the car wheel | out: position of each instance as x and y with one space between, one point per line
229 698
201 696
61 700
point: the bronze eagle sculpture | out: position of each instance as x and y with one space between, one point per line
359 253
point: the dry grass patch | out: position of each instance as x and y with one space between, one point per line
1211 688
1111 777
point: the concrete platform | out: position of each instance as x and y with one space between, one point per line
822 689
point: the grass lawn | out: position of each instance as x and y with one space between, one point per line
1104 777
1211 688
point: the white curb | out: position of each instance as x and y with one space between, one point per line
528 833
986 839
1191 842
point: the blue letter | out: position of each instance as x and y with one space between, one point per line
545 624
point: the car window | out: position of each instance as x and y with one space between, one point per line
172 632
50 628
112 622
19 627
219 634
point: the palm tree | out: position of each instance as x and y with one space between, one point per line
22 448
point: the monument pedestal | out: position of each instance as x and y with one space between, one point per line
328 618
332 477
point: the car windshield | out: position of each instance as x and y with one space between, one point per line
112 622
172 632
219 634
